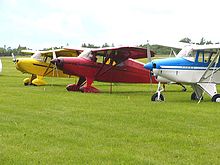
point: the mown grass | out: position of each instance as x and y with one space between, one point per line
48 125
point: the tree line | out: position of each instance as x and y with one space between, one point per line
158 49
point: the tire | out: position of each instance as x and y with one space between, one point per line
155 97
216 98
194 97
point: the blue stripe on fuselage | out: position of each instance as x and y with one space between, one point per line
180 64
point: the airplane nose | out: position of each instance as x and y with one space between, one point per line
149 66
58 62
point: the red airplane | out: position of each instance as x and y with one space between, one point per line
115 64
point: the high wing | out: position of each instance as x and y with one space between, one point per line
181 45
205 47
176 45
65 52
120 54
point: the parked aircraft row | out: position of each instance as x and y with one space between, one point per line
196 65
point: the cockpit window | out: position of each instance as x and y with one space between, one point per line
37 56
186 52
87 54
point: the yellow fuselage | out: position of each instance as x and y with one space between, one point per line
37 67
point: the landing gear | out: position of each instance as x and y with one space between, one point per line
158 96
194 97
216 98
72 87
28 81
88 88
183 87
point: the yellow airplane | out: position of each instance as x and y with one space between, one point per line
39 65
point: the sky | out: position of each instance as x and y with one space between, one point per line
39 24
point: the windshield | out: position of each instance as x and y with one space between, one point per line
86 54
37 56
186 52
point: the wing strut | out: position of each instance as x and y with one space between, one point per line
205 74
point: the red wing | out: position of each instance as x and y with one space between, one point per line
122 53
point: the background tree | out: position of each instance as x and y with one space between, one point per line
186 40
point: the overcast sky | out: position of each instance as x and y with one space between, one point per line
44 23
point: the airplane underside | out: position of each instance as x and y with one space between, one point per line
201 84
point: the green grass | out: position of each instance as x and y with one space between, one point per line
48 125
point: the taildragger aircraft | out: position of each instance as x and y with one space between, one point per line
113 65
196 65
39 66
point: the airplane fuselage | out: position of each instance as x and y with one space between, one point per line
129 71
33 66
184 70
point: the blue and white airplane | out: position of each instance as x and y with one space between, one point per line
197 65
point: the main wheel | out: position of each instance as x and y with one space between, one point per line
216 98
155 97
194 97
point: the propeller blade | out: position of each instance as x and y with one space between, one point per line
13 57
46 71
149 60
148 52
56 69
54 53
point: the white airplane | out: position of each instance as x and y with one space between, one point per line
197 65
0 66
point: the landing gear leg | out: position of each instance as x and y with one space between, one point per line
158 96
89 88
28 81
76 87
183 87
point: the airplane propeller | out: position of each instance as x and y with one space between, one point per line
54 53
13 57
55 65
49 66
149 60
148 52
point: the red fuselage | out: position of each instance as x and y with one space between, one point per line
129 71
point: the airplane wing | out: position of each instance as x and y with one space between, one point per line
65 52
181 45
176 45
120 54
205 47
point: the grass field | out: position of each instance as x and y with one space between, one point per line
48 125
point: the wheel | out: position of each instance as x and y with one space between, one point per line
184 90
216 98
194 97
155 97
72 87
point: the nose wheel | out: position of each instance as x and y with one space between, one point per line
158 96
